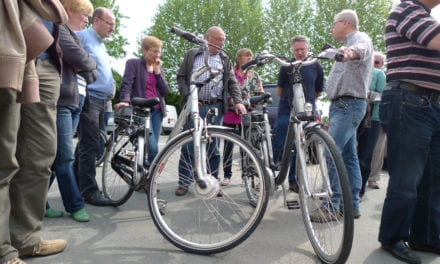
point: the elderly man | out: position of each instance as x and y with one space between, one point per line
347 88
213 94
92 117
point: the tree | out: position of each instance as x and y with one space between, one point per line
240 19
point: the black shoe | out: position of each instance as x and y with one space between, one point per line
98 199
425 248
400 251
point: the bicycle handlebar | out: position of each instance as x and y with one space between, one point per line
203 43
188 36
265 56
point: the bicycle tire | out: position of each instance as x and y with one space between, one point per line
330 231
201 222
117 171
100 156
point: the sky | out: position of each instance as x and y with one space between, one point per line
141 13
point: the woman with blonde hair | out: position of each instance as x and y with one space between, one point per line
76 62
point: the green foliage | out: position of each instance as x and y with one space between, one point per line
258 25
240 19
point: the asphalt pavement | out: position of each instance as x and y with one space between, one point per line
127 235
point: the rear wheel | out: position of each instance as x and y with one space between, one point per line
101 149
117 171
325 197
212 219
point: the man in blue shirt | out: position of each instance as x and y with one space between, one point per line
98 93
313 81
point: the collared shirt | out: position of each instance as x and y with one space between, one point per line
102 88
409 29
213 89
352 78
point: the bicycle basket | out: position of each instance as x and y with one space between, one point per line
123 116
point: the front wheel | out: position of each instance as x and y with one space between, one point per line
215 218
325 197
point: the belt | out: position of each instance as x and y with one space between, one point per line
210 102
431 95
347 97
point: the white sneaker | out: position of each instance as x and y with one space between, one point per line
225 182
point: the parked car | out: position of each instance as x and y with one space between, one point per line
169 120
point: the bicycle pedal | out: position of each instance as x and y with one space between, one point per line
292 204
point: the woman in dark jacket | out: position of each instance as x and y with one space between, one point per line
144 77
75 61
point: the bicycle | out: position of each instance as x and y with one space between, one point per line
125 166
324 190
209 219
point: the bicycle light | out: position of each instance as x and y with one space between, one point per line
308 108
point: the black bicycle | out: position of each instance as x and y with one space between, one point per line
324 190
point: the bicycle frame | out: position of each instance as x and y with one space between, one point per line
301 117
191 110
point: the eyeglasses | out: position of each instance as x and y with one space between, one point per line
218 39
155 52
334 23
108 23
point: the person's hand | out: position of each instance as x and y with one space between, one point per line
156 66
240 109
121 104
348 53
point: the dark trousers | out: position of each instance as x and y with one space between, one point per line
366 143
90 122
411 210
227 151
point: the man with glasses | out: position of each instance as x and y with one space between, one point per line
347 88
213 94
92 117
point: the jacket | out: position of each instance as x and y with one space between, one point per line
230 84
134 82
23 38
75 60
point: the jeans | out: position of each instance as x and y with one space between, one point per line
186 161
411 209
153 139
90 122
62 167
366 143
280 131
345 116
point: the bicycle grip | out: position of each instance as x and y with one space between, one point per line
186 35
250 63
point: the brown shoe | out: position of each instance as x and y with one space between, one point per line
181 190
45 248
15 261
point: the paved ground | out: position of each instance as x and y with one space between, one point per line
128 235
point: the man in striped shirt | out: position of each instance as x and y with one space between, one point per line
410 115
